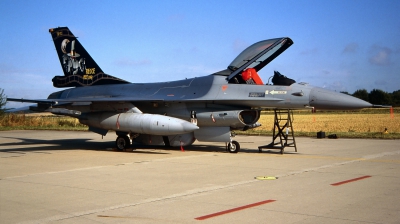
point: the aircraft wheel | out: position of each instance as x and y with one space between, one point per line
233 147
123 142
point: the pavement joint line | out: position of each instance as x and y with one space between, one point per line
111 165
298 156
364 158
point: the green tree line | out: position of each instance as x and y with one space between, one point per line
378 97
3 101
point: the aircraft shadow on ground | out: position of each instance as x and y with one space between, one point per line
206 148
33 145
196 147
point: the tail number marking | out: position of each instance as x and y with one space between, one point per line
90 71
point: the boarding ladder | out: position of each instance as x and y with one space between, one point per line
283 129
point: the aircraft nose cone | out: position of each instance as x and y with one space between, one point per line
330 100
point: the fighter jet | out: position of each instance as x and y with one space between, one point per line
177 113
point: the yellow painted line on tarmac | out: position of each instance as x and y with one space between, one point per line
265 178
384 161
351 159
297 156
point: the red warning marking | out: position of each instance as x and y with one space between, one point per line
118 121
234 210
391 113
212 118
348 181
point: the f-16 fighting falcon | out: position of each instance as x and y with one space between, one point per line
176 113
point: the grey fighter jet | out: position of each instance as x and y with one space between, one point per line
176 113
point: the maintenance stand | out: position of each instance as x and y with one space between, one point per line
282 122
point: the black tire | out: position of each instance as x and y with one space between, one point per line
234 147
122 143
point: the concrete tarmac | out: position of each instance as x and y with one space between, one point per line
77 177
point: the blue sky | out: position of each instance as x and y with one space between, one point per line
341 45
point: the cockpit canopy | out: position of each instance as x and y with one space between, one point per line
256 56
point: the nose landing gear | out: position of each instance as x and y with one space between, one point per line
233 147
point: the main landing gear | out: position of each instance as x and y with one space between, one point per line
123 142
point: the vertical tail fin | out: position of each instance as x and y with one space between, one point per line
78 66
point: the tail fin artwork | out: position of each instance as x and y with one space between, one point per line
78 66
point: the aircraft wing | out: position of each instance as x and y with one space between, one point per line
83 99
45 104
43 101
59 106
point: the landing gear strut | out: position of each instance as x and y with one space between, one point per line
123 142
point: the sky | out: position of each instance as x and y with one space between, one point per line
341 45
